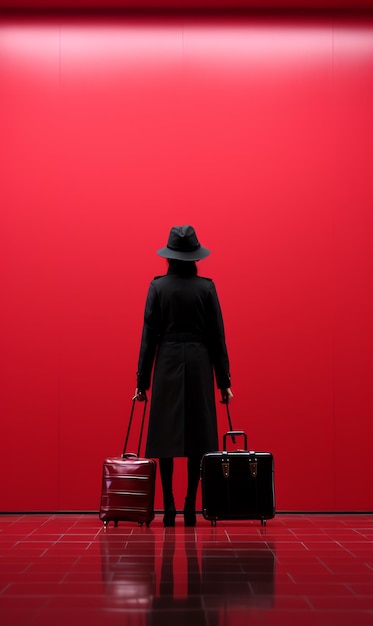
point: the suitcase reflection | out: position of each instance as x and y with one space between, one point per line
128 569
244 578
144 572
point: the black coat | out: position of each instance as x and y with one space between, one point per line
183 336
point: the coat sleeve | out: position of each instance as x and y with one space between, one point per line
149 339
218 348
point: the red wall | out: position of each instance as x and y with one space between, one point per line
257 131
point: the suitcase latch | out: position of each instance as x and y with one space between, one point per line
225 468
253 468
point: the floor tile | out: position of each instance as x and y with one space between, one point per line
313 570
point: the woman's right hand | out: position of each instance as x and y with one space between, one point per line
140 395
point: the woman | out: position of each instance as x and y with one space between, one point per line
183 336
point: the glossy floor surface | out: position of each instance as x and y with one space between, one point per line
298 570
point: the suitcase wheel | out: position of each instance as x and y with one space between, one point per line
263 522
106 523
147 523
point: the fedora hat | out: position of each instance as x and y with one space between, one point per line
183 245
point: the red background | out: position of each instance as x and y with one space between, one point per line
256 130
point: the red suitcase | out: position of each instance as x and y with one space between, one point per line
128 485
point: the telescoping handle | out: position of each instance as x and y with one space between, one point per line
130 424
234 433
230 423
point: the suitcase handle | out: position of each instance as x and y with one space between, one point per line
233 433
229 422
130 423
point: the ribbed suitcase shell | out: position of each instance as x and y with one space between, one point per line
128 488
238 485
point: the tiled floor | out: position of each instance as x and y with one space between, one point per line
300 570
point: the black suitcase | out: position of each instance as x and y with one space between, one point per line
237 485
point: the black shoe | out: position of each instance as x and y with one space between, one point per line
190 518
169 515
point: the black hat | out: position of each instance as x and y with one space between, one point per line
183 245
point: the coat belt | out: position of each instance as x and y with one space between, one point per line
183 337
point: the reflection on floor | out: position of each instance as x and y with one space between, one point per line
300 570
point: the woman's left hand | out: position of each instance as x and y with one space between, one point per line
226 395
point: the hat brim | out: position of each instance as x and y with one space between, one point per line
194 255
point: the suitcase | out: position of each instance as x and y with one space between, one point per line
237 485
128 485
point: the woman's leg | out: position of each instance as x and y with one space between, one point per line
193 482
166 468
